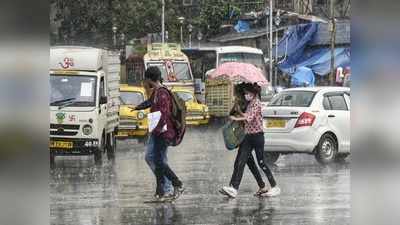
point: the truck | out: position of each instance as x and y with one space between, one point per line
84 102
173 64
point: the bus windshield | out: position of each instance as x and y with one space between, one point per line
252 58
181 71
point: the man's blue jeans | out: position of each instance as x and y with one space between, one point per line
149 157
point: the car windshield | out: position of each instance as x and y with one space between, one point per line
266 93
72 90
131 98
252 58
180 69
293 98
185 96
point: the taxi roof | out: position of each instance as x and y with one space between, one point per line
181 89
126 87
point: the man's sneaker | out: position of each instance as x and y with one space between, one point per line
275 191
178 191
169 196
230 191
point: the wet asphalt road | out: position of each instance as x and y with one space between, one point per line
112 194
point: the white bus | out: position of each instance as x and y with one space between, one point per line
205 59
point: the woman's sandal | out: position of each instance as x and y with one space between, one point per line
260 192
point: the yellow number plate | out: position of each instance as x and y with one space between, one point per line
61 144
276 123
127 133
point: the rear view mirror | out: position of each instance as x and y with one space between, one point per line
209 72
103 100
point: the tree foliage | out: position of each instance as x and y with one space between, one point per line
213 14
90 22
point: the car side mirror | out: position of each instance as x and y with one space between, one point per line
103 100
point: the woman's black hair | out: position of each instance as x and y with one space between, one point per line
153 73
253 88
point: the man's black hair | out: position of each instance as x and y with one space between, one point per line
153 73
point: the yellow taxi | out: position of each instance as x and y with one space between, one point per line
196 113
132 123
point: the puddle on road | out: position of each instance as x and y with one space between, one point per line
83 193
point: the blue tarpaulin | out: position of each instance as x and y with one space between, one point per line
295 40
318 60
296 52
303 77
242 26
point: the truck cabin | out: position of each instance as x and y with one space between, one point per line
76 79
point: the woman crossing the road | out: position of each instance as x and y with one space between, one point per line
254 140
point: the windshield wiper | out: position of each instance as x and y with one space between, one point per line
66 104
62 101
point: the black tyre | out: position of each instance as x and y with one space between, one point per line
98 155
341 157
111 146
271 157
327 149
143 140
52 160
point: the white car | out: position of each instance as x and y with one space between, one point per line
314 120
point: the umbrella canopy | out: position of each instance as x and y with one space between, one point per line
240 72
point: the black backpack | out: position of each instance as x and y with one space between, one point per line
178 112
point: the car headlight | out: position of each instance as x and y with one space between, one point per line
140 115
87 129
206 109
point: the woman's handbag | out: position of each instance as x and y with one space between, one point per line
233 133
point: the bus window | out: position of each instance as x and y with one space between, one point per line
182 71
162 68
201 61
255 59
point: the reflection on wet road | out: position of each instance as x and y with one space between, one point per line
82 193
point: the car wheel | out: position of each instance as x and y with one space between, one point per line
271 157
326 149
143 140
111 146
341 157
52 160
98 155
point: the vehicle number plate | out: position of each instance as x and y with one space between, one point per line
276 123
127 133
61 144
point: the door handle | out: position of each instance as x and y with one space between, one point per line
331 116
